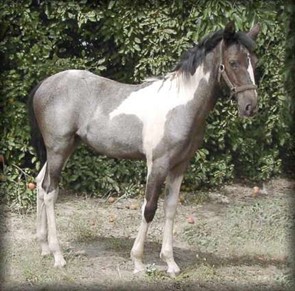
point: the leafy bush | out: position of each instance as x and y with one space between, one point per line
129 41
99 174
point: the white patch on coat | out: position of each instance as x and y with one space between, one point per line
152 104
250 70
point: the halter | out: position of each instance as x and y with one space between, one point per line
233 89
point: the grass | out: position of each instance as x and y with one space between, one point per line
245 242
80 228
261 229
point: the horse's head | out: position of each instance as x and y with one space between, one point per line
237 65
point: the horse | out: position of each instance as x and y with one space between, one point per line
160 121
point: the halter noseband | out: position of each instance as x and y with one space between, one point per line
233 89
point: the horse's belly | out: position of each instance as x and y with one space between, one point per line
120 137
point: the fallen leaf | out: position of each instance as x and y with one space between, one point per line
190 219
256 191
111 199
133 206
112 218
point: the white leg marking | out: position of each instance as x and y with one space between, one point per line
49 200
170 205
42 231
138 246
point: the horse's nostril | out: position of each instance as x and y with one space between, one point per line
248 108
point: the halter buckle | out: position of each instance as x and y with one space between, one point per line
233 91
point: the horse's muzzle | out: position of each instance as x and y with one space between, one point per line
247 103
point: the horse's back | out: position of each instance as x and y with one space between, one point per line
81 90
78 103
71 87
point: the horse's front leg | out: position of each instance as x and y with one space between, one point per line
173 184
155 179
138 246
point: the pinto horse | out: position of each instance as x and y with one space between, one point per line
161 121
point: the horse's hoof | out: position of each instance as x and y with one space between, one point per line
59 263
173 272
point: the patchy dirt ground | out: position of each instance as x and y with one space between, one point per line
238 241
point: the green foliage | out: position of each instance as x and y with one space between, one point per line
16 190
129 41
99 174
289 157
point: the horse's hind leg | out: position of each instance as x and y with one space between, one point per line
49 192
41 214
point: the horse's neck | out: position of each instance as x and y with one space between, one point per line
202 90
203 101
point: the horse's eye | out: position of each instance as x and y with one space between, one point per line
234 64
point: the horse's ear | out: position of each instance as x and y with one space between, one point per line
229 31
254 31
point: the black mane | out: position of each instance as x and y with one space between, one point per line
192 58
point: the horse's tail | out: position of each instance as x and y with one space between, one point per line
36 137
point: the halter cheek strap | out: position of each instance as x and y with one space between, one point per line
233 89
